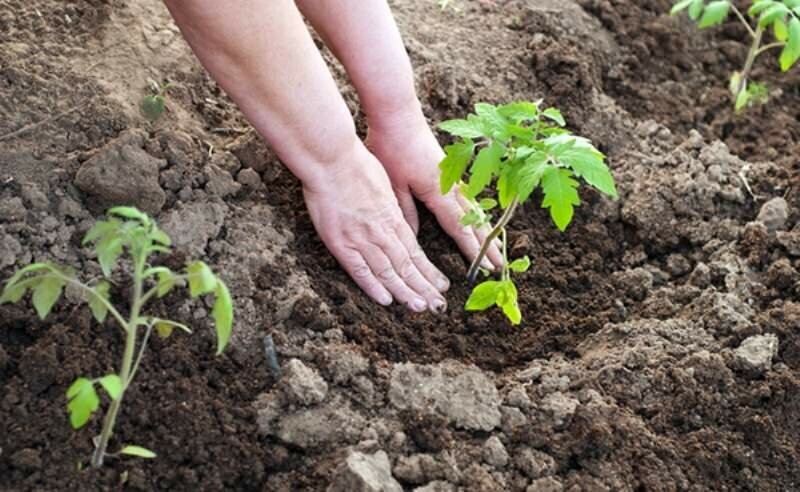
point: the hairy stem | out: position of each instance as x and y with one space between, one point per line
498 229
127 362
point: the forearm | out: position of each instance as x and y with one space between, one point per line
261 54
364 37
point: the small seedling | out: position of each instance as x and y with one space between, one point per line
780 16
525 148
126 229
153 105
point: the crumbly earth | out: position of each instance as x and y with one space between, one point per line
661 342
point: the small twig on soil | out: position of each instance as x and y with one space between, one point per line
240 131
743 177
33 126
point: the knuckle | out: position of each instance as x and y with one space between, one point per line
407 268
361 271
387 275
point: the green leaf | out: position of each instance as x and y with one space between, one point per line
96 297
715 13
160 236
559 195
554 115
682 5
507 301
201 279
164 330
166 281
519 111
454 164
759 6
520 264
108 250
585 160
488 203
101 228
773 13
13 292
463 128
130 213
780 30
152 107
137 451
695 9
27 269
791 52
506 187
486 165
113 385
512 312
46 294
529 174
83 401
470 218
483 295
223 315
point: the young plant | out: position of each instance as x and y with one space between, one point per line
126 229
782 17
153 105
525 148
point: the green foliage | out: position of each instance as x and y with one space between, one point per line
520 148
125 230
137 451
781 16
153 105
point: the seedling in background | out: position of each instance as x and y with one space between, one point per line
126 229
153 105
782 17
525 148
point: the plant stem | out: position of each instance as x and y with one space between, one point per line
498 228
744 21
748 64
127 362
505 275
766 47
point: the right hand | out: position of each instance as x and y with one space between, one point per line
357 216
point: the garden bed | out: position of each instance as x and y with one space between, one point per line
660 348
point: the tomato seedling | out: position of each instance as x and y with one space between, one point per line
782 17
525 148
153 105
126 229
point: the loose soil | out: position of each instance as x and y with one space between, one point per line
627 373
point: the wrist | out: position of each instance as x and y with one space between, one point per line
398 115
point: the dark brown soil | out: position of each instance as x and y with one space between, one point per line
659 406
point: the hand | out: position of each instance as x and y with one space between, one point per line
358 218
409 152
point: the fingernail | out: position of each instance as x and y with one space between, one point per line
487 265
442 284
385 299
418 305
439 305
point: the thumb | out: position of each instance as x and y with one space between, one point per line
406 201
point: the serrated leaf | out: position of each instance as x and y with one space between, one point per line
483 296
506 187
95 299
554 114
485 165
137 451
463 128
791 52
519 111
83 401
46 294
560 195
130 213
454 164
529 173
586 161
695 9
487 203
682 5
113 385
152 107
223 315
773 13
108 250
520 265
100 229
201 279
714 13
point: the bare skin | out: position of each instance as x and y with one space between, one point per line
359 198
